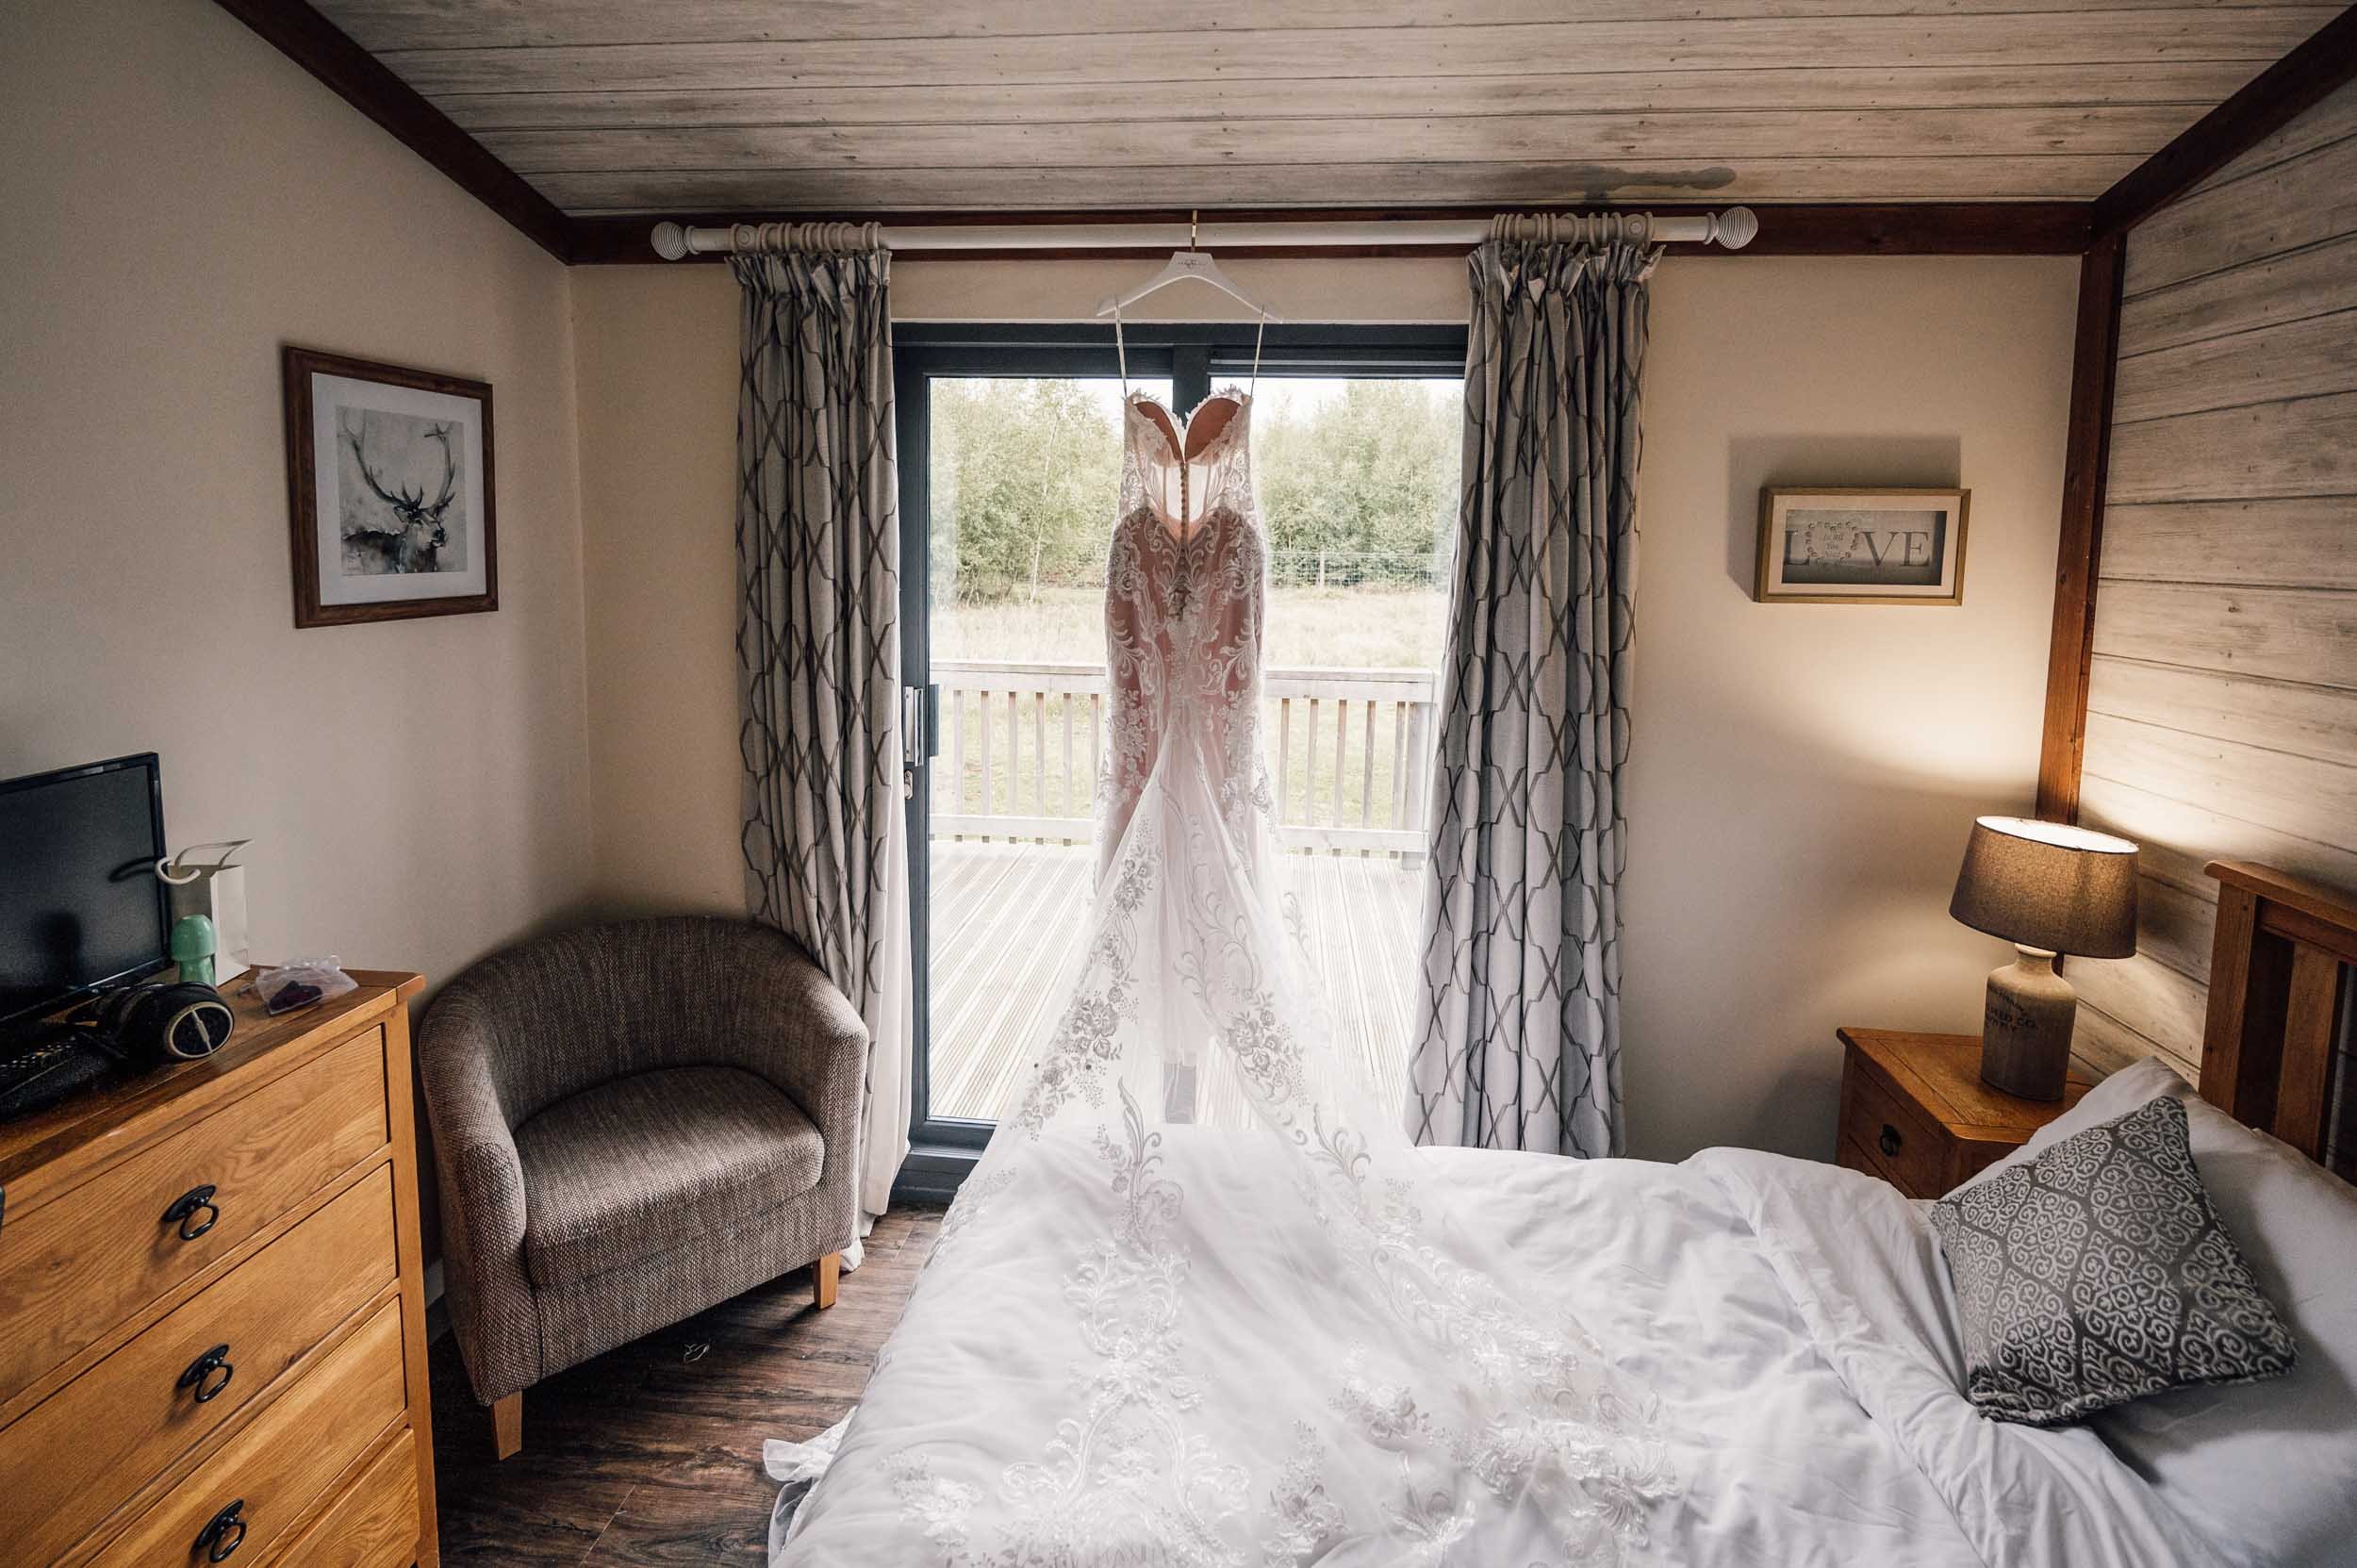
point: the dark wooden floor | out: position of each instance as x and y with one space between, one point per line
652 1454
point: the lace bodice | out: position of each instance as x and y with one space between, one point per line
1184 593
1179 486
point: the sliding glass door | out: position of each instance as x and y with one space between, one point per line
1009 461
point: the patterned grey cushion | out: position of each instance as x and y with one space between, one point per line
2099 1273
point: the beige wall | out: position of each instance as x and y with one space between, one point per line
658 478
1802 774
179 200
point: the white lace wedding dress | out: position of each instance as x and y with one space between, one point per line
1275 1336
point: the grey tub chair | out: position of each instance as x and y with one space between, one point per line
633 1122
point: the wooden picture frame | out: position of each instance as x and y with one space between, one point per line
391 495
1822 544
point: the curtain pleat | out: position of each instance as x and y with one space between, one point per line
818 649
1518 1044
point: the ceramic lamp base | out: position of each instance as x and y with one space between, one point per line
2025 1034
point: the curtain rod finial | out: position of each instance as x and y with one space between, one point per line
1737 226
669 240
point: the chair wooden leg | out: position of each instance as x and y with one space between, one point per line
507 1425
828 1269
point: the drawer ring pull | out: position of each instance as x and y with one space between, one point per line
196 1201
203 1368
1890 1140
223 1535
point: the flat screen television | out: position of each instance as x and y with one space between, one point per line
80 903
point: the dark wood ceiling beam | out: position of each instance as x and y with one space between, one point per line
309 40
2079 552
2269 101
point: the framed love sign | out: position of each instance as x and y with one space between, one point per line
1854 546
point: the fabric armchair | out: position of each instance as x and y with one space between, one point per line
634 1122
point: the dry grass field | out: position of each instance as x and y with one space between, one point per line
1359 628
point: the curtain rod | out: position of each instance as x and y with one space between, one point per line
1733 228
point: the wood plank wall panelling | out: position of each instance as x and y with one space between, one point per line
2223 690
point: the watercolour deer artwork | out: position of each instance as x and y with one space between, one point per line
392 501
423 532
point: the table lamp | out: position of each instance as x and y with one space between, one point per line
2048 888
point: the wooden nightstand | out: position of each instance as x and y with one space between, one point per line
1915 1111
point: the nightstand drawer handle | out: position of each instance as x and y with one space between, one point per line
1890 1142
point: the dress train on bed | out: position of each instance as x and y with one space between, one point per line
1280 1338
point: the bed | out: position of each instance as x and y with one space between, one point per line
1795 1320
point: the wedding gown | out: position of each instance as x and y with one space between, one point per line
1411 1399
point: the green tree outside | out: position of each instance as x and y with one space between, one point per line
1359 488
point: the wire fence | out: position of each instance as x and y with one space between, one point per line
1288 569
1353 569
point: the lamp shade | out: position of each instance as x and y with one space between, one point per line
2051 885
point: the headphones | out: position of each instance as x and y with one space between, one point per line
166 1022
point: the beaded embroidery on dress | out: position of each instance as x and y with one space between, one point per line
1419 1403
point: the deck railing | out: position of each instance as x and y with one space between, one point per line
1022 743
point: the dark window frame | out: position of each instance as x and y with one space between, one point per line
1191 355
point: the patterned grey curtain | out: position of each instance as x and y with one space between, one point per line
1519 1047
818 640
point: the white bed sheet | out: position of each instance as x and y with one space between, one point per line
1793 1318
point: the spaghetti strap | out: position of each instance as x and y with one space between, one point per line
1121 352
1257 335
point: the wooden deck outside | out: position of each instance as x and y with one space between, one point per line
1007 917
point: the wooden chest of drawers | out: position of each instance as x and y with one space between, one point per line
1915 1111
212 1326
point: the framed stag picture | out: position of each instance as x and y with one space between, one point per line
389 479
1842 546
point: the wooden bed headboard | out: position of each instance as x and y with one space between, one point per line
2277 1052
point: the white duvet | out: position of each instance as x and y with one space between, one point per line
1793 1318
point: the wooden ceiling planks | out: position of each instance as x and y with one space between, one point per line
387 24
2257 34
1383 185
619 105
2194 85
2124 132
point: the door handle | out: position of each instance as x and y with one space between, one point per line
913 748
